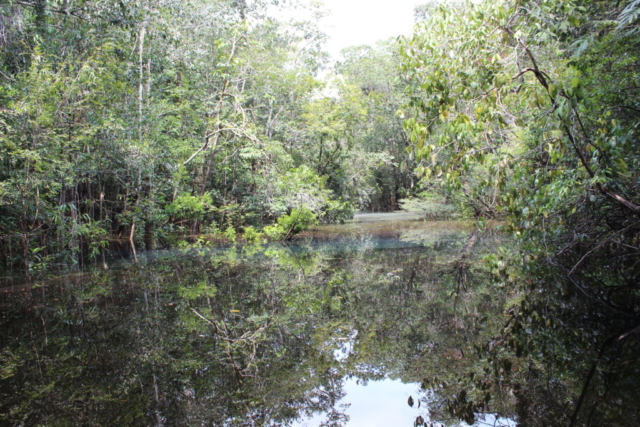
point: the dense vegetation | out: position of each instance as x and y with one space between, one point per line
531 108
151 121
147 120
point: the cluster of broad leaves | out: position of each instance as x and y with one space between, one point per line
146 119
530 108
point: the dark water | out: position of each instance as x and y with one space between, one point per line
345 326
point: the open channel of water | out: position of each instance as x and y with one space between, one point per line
368 323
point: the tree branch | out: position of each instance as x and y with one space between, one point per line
542 78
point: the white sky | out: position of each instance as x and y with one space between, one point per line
356 22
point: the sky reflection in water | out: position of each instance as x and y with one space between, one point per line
384 403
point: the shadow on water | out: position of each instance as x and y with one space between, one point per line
379 315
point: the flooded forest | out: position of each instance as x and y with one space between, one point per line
206 219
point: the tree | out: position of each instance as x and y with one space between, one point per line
528 101
114 112
380 136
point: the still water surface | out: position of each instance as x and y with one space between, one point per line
368 323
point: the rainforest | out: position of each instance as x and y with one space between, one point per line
207 219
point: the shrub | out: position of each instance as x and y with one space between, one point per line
287 226
252 235
190 207
274 232
297 221
230 233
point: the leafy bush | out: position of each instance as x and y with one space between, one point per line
230 233
287 226
274 232
252 235
187 206
297 221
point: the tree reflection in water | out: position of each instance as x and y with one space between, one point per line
260 335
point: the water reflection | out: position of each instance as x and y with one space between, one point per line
256 335
384 403
374 403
